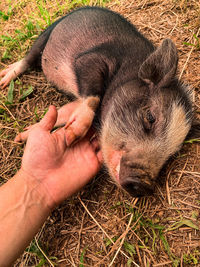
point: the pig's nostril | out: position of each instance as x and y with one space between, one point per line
136 188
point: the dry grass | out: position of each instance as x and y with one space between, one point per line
103 226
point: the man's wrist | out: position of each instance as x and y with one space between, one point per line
24 207
36 187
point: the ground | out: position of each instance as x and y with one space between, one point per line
102 225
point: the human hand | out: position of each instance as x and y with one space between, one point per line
59 170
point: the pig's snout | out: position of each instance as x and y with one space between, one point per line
135 179
136 187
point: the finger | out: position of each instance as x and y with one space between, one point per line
22 137
65 112
59 135
100 156
95 144
29 127
49 119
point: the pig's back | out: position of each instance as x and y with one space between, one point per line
83 30
88 27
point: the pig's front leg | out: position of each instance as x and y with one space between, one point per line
81 119
92 71
76 116
63 116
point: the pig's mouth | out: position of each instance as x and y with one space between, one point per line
137 182
136 179
136 187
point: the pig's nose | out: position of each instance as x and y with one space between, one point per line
136 188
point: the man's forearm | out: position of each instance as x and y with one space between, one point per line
23 210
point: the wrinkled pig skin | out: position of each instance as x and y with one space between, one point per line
114 72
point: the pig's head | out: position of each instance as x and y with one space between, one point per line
147 122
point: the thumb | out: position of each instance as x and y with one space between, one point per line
49 120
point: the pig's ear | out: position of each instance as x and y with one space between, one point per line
194 132
160 67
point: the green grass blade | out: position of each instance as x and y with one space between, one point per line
129 248
186 222
191 141
26 93
82 257
10 92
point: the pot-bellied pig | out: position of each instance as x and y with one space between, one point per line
114 71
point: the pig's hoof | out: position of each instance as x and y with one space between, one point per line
12 72
77 127
81 120
136 188
6 79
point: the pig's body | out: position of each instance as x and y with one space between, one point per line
89 43
145 111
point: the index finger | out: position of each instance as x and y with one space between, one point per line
49 120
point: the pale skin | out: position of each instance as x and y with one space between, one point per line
50 172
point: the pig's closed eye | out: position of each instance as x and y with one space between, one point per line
148 120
